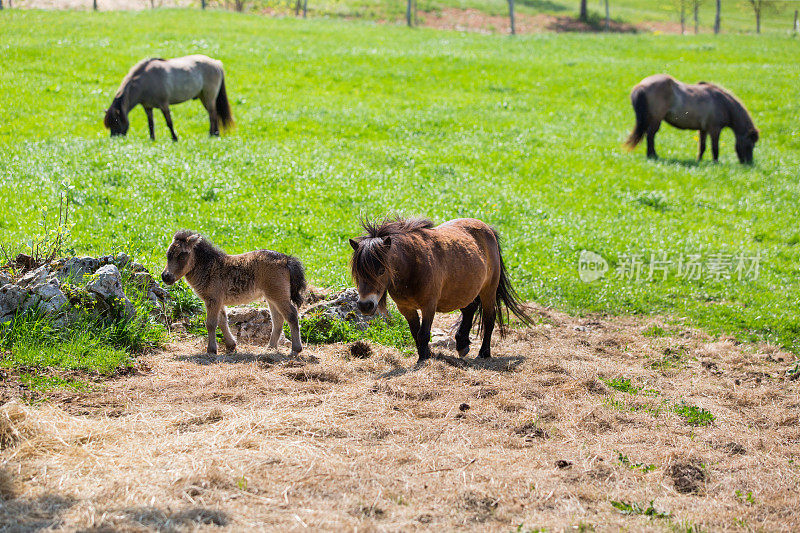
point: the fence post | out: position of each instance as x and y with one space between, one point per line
608 17
94 5
203 4
511 16
796 22
408 13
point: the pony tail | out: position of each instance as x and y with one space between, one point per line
639 101
297 280
223 106
506 297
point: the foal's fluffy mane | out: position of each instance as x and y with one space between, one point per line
204 247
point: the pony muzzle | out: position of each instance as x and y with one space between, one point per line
368 305
167 278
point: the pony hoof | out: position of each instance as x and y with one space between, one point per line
231 348
462 351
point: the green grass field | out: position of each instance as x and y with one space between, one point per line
338 120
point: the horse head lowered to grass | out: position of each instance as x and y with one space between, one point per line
156 83
456 265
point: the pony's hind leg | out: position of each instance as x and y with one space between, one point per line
702 145
277 326
230 340
213 117
651 139
288 311
150 124
168 118
462 335
489 315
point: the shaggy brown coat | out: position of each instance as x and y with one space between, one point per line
221 279
705 107
457 265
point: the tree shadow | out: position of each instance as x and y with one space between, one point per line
154 518
41 513
543 5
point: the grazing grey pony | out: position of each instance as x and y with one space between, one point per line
156 83
704 107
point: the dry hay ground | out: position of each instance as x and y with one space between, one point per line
330 442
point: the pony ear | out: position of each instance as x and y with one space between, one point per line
353 244
387 241
193 240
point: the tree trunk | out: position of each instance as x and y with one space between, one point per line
696 16
608 17
716 17
795 26
584 14
408 13
758 20
683 17
511 16
202 4
94 5
305 8
297 8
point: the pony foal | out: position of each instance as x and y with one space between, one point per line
157 83
221 279
704 107
457 265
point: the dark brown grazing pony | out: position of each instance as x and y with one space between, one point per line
704 107
457 265
157 83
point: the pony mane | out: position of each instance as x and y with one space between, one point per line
133 72
394 226
739 112
204 249
370 259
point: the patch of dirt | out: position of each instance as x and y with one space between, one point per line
328 441
688 475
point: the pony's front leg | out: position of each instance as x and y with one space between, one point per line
230 340
150 124
702 148
213 309
168 118
412 317
424 334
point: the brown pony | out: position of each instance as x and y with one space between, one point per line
457 265
704 107
157 83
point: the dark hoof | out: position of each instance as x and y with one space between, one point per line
231 348
462 351
211 351
485 354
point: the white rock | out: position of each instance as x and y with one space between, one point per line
106 283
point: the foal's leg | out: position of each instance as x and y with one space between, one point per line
289 312
168 118
489 315
213 309
277 326
715 145
651 139
230 340
462 335
149 112
702 149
